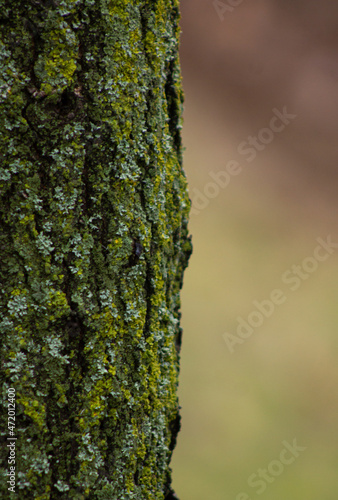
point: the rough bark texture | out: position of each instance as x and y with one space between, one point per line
93 244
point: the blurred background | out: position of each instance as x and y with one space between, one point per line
243 63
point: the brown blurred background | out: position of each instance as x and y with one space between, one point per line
240 63
268 54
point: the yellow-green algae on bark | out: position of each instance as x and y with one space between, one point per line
93 244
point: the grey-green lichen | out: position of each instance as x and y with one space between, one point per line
93 244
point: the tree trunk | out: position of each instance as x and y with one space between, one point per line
94 243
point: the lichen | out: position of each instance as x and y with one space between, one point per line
94 242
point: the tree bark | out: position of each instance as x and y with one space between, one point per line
93 242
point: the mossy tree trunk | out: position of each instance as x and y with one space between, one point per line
93 244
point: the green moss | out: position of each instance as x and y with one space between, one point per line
94 211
